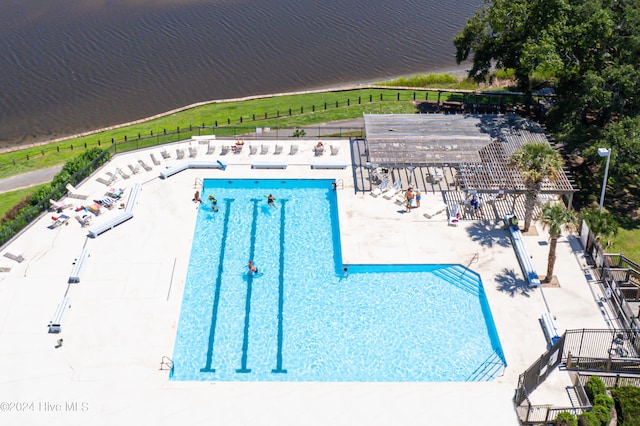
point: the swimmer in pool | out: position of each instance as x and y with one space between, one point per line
252 267
271 201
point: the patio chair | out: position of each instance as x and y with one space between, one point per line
264 149
294 149
211 149
434 210
165 154
63 219
14 254
335 149
277 150
384 186
179 153
144 165
122 173
134 169
253 150
193 152
156 162
394 190
59 205
225 149
75 193
454 215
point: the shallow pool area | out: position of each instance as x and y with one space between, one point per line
302 317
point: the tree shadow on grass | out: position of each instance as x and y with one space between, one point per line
487 235
510 283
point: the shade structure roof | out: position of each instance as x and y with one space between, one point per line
479 146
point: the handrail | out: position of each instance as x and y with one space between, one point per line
166 362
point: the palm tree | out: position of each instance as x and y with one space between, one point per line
555 217
604 226
537 162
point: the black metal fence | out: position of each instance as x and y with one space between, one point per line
538 371
534 415
620 278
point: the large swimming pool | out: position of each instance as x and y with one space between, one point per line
302 318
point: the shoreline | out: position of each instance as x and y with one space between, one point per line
456 72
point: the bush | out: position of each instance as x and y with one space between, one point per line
627 400
604 400
595 386
566 419
588 419
602 413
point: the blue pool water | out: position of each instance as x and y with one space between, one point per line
301 318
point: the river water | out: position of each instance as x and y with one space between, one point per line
68 66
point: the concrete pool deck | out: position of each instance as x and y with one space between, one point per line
125 310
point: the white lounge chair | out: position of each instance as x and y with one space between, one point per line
59 205
384 186
14 254
435 174
134 169
108 180
156 162
193 152
394 190
211 149
335 149
144 165
225 149
253 149
434 210
277 150
74 193
264 149
165 154
294 149
455 215
122 173
179 153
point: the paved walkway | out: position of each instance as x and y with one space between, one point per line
26 180
126 309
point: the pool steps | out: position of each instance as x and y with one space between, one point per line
460 277
491 368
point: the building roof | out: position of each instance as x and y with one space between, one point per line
479 146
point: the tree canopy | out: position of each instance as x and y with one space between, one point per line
592 50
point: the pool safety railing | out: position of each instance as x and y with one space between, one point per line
491 368
197 184
166 363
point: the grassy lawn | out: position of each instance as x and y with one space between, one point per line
10 199
626 242
276 111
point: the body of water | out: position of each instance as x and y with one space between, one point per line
72 66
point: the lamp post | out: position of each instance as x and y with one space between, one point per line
604 152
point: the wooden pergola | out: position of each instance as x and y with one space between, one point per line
477 146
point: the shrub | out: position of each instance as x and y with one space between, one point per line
602 413
627 400
566 419
588 419
604 400
595 386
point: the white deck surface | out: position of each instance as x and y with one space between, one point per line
126 309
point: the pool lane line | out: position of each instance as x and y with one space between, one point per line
216 299
279 368
247 307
